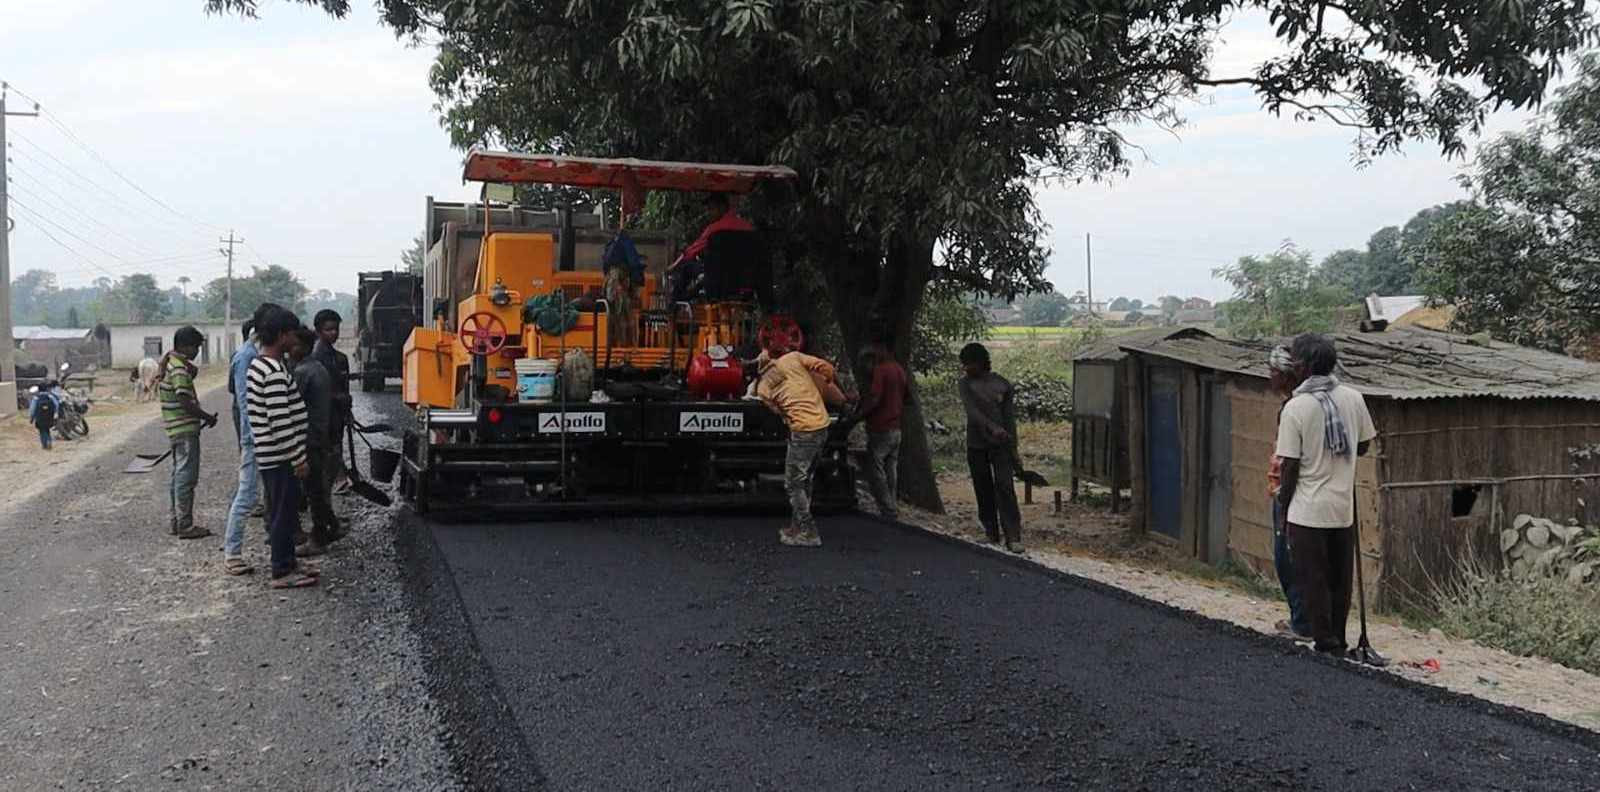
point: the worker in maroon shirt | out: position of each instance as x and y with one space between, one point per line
881 409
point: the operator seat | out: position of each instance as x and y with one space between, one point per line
735 266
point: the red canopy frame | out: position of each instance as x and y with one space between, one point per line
632 176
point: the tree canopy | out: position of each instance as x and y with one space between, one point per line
1524 262
1278 295
920 128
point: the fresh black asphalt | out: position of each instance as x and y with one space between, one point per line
650 653
699 654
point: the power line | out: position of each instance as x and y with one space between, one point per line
62 127
86 217
91 187
63 229
63 245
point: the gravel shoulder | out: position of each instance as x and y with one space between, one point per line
132 662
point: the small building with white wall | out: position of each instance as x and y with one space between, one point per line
131 343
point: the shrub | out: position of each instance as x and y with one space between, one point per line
1042 396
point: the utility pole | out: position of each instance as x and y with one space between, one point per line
1088 260
227 305
8 363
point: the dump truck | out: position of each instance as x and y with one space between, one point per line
388 306
563 368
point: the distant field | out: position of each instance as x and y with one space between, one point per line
1010 333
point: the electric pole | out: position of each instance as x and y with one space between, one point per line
227 305
8 363
1088 260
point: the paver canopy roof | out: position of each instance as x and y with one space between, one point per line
510 168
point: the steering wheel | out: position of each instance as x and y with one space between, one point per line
782 332
482 333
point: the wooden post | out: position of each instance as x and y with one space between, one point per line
1027 493
1058 499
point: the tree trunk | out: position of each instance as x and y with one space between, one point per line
906 273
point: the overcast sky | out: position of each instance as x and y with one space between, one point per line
316 140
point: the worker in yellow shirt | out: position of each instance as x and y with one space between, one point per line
791 384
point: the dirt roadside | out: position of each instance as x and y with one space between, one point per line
113 418
1095 544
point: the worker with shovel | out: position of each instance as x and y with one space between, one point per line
183 418
991 446
1321 431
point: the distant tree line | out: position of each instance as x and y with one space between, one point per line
37 298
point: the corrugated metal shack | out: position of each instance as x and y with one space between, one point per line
1470 434
1099 406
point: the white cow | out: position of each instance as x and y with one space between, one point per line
147 375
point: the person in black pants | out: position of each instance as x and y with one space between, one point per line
277 418
316 390
1321 432
991 446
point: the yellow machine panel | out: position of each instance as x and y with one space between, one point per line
430 368
522 261
500 369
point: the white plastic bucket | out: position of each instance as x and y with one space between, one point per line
536 380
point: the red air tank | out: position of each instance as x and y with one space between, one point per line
714 374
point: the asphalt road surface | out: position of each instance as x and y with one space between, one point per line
645 653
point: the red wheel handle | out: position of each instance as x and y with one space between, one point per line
781 333
482 333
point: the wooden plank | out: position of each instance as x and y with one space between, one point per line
1250 538
1138 511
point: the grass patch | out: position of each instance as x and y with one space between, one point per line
1231 573
1544 615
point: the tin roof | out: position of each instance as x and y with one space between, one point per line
1405 363
1388 309
1109 349
44 333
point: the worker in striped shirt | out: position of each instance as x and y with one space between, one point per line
183 418
277 417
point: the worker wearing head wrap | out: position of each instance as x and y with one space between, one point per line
1283 377
792 384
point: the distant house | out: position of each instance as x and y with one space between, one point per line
52 346
1384 311
1004 315
1471 433
131 343
1194 316
1197 304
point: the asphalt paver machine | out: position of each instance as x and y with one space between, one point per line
569 373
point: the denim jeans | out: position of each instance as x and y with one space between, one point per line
244 499
883 450
800 464
1283 560
185 474
44 437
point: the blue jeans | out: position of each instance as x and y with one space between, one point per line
244 499
185 474
44 437
1283 560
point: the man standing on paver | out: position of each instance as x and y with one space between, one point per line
991 446
881 408
278 424
1283 379
1321 431
183 418
787 384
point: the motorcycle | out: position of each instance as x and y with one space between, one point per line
72 422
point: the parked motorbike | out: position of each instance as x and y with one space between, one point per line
72 422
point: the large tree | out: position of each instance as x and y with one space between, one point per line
1278 295
920 128
1524 264
144 299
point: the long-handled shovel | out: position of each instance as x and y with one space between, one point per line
1364 653
358 485
144 463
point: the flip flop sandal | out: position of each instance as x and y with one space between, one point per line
237 566
294 580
